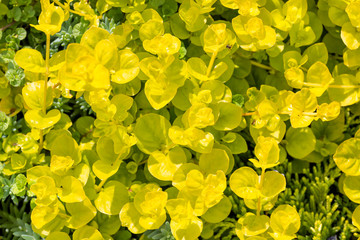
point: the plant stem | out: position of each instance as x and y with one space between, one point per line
14 113
56 85
101 184
303 113
68 8
47 58
306 84
289 113
260 65
211 63
304 69
7 26
260 187
248 114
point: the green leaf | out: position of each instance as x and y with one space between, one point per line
71 190
285 221
33 94
346 96
356 217
163 166
81 213
230 116
178 27
267 151
302 101
30 60
318 73
316 53
351 58
216 160
252 225
128 68
112 198
300 142
151 131
274 183
347 157
350 36
18 161
130 217
218 212
65 145
235 142
21 33
37 119
351 188
5 122
244 182
87 232
58 236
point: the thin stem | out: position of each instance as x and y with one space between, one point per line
142 162
59 3
260 187
285 112
211 63
304 69
14 113
260 65
41 144
47 58
7 26
56 85
68 8
101 184
248 114
307 84
344 86
98 187
336 57
312 114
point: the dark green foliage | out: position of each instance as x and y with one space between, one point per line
15 221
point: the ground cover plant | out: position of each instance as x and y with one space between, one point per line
186 119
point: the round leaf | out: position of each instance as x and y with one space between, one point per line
285 220
347 157
216 160
151 131
37 119
244 183
163 166
218 212
30 60
300 142
112 198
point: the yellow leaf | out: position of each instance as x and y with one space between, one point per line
60 164
37 119
50 19
163 166
87 232
30 60
162 45
128 67
33 94
81 213
58 236
112 198
71 190
129 218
